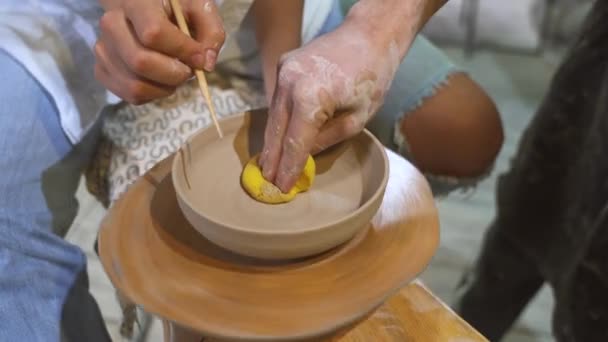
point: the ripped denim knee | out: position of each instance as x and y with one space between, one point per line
424 70
441 185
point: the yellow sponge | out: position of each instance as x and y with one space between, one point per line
264 191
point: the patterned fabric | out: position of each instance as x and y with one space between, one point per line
138 137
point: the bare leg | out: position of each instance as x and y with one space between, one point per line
435 115
457 132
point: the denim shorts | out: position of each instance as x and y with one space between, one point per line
422 72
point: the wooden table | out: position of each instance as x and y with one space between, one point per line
414 314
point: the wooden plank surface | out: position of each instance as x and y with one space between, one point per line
414 314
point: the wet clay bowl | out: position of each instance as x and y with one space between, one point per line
348 189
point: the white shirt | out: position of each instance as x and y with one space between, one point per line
54 40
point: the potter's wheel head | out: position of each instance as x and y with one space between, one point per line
348 189
154 257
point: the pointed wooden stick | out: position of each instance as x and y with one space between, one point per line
200 76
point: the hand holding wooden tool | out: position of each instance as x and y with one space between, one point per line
200 76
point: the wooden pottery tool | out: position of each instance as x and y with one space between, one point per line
200 76
154 257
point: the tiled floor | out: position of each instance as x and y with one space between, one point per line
517 84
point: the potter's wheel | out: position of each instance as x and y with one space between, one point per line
155 258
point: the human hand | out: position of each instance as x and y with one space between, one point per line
142 55
325 93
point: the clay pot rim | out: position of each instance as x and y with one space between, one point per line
360 210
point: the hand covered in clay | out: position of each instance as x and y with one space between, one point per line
142 55
326 92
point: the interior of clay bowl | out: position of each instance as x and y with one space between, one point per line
347 191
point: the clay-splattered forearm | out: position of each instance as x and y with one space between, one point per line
394 21
278 27
347 71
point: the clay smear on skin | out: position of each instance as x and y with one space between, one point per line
327 73
364 94
289 70
295 146
207 7
344 88
179 69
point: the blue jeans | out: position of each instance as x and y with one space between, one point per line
43 281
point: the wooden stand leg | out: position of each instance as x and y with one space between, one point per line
175 333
